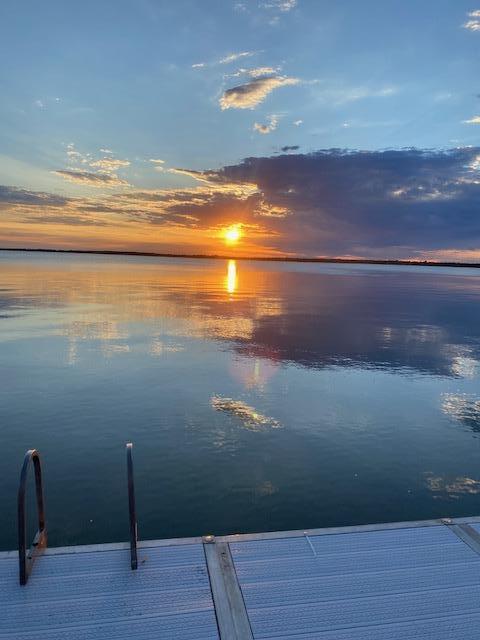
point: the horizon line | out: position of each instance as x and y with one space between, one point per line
203 256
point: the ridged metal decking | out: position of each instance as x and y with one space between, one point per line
397 581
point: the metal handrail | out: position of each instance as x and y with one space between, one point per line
131 508
25 559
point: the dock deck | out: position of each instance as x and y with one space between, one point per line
396 581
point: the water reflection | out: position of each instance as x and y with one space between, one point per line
463 407
315 317
253 373
453 488
465 366
250 417
369 372
231 282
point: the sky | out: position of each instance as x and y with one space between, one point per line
242 127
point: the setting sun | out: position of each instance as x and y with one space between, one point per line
232 234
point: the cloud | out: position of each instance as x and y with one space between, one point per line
406 203
256 72
75 156
158 164
267 128
14 195
228 59
91 179
297 123
344 95
393 203
35 207
474 120
105 169
270 210
236 56
474 23
249 95
261 71
201 176
279 5
290 148
109 165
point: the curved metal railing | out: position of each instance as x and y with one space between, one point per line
131 508
26 559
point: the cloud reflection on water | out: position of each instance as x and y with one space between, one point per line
315 316
454 488
351 361
248 416
463 407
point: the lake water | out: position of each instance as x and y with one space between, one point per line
259 396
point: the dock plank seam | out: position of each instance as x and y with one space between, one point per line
230 610
466 534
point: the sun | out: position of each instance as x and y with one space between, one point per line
232 234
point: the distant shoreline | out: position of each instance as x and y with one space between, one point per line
201 256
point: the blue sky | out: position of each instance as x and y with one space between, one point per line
92 92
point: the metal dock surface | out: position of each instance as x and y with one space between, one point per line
395 581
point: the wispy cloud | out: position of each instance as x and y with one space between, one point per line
344 95
104 169
283 6
474 120
14 195
92 179
236 56
158 164
247 96
297 123
201 176
256 72
109 165
228 59
75 156
267 128
271 10
262 71
46 101
473 24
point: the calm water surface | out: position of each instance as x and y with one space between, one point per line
258 396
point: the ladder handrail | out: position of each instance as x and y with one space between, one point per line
131 508
25 559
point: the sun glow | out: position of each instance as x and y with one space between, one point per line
232 234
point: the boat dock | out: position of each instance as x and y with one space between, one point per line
409 580
406 580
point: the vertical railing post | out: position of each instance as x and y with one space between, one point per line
131 508
26 559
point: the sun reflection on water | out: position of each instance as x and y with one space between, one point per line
231 281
